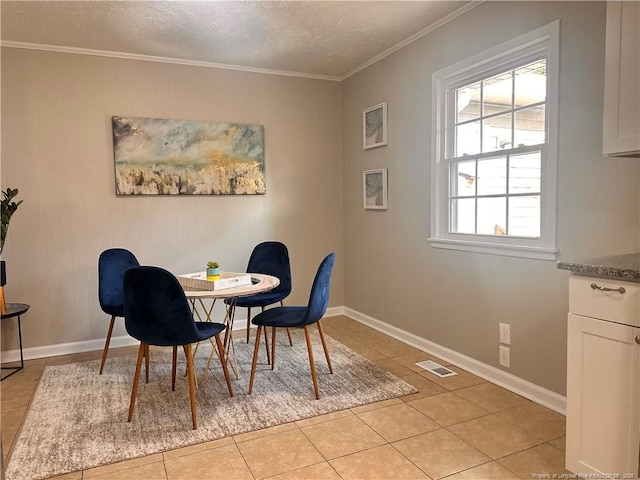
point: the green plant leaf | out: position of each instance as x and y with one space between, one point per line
8 209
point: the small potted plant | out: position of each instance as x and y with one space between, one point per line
213 271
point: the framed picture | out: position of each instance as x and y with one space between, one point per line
156 156
374 126
374 189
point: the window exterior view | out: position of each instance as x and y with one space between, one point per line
499 139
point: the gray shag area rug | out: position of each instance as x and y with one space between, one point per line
77 418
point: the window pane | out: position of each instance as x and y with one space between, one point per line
496 133
492 216
524 216
463 179
492 176
524 173
463 215
467 139
468 103
529 128
496 94
531 83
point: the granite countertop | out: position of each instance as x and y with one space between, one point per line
621 267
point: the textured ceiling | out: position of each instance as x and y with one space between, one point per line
318 38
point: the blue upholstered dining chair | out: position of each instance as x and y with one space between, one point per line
270 258
112 264
158 313
299 317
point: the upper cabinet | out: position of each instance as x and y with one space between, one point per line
621 126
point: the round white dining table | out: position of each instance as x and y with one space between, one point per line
260 283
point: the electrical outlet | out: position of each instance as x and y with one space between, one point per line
505 333
505 356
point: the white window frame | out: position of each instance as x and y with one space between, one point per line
542 42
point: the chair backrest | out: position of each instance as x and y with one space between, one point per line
272 258
156 310
112 264
319 296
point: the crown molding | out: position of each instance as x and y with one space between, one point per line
223 66
151 58
416 36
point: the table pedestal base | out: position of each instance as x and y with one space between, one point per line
230 352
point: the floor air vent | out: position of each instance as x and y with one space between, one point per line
436 368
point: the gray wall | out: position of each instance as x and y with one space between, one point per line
457 299
57 149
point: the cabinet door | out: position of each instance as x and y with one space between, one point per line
603 381
621 123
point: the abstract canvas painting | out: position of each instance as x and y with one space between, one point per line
156 156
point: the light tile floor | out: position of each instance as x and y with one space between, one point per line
459 427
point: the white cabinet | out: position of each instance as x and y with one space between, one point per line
603 377
602 397
621 125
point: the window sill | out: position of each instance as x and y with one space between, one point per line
522 251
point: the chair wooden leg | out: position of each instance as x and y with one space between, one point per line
256 348
136 379
223 361
248 323
192 383
273 347
174 364
266 343
106 343
312 363
146 363
324 346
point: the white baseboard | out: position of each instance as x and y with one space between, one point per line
529 390
32 353
522 387
55 350
335 311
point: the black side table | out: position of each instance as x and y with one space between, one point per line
15 310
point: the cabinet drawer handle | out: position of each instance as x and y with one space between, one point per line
637 339
607 289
